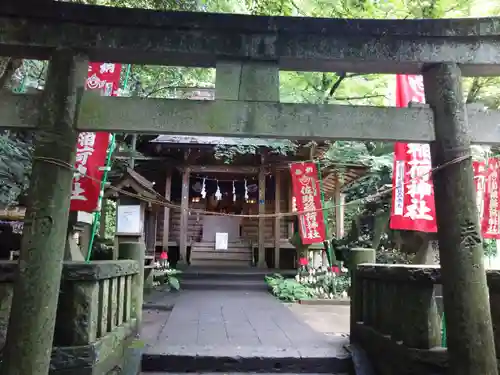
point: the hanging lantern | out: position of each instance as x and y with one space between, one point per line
234 193
218 194
203 189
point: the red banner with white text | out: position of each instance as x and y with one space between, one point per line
307 194
91 149
413 195
490 220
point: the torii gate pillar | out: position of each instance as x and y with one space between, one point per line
470 341
36 290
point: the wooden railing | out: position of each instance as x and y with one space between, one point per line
96 310
395 318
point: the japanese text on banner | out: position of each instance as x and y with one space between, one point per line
91 153
92 147
306 191
490 220
413 205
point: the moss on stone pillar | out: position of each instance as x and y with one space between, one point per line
358 289
467 309
32 320
135 249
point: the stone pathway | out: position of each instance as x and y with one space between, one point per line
237 325
332 320
232 319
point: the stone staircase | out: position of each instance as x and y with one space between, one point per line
204 254
225 278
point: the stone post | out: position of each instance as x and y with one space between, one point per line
30 334
135 249
253 81
358 256
467 309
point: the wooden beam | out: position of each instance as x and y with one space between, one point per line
277 220
251 119
166 212
184 216
262 210
198 39
224 169
290 204
339 208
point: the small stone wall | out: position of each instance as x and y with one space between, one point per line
395 317
95 318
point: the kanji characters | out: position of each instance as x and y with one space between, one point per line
107 68
78 193
419 186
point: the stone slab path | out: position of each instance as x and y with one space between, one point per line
235 323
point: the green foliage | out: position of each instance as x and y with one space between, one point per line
309 283
15 166
109 207
165 276
246 146
288 289
490 248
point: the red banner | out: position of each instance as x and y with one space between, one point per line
91 153
413 195
306 191
91 149
104 77
490 223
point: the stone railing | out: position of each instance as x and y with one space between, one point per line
96 317
396 320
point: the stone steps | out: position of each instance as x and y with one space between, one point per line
221 284
271 362
224 278
226 373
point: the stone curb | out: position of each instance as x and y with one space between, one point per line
334 302
295 365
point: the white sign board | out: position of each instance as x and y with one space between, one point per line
129 220
84 217
221 240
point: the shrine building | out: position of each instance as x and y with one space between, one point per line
191 173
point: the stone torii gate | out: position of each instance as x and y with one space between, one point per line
248 53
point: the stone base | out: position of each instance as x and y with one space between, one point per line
330 302
102 357
256 360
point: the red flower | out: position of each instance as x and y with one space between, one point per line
163 255
335 269
303 262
